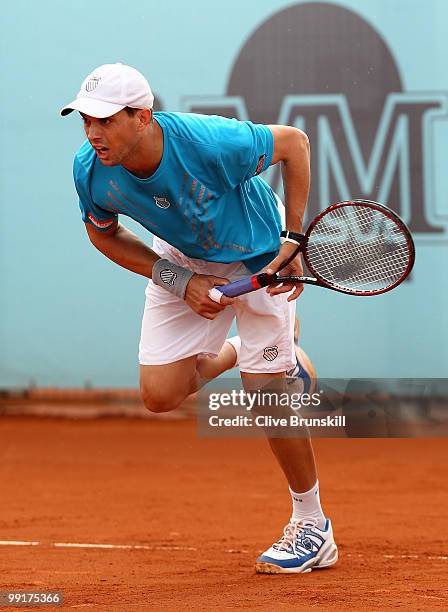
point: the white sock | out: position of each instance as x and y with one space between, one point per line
307 505
235 341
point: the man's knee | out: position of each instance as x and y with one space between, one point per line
164 388
157 400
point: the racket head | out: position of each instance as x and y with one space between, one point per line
359 247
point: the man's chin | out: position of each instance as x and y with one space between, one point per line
108 162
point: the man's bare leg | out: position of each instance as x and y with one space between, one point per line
307 539
211 367
164 387
295 455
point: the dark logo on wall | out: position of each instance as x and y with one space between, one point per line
326 70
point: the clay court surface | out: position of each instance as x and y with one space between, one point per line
203 509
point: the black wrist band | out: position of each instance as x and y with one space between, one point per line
291 236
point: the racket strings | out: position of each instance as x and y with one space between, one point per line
356 262
358 248
382 270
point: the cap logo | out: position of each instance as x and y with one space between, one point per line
92 83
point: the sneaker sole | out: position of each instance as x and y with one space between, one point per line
329 559
271 568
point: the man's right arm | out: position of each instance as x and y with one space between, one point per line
124 248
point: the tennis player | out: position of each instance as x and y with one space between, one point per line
193 182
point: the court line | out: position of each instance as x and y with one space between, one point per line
168 547
18 543
431 557
122 546
99 546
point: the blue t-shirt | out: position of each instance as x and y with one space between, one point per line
205 198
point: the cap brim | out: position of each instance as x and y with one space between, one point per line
92 107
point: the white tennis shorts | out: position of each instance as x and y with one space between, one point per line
172 331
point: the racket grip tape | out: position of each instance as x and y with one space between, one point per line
239 287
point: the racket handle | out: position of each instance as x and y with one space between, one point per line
240 287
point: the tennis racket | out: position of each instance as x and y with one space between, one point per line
358 247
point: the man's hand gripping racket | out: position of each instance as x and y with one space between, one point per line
358 247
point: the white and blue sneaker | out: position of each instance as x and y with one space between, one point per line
302 547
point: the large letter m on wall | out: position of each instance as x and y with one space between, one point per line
396 169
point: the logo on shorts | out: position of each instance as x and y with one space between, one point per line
168 276
270 353
162 202
92 83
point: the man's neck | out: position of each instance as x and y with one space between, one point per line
148 156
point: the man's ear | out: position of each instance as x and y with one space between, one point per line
144 117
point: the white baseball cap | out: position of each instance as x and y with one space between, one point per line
110 88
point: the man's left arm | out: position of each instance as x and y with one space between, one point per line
292 149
